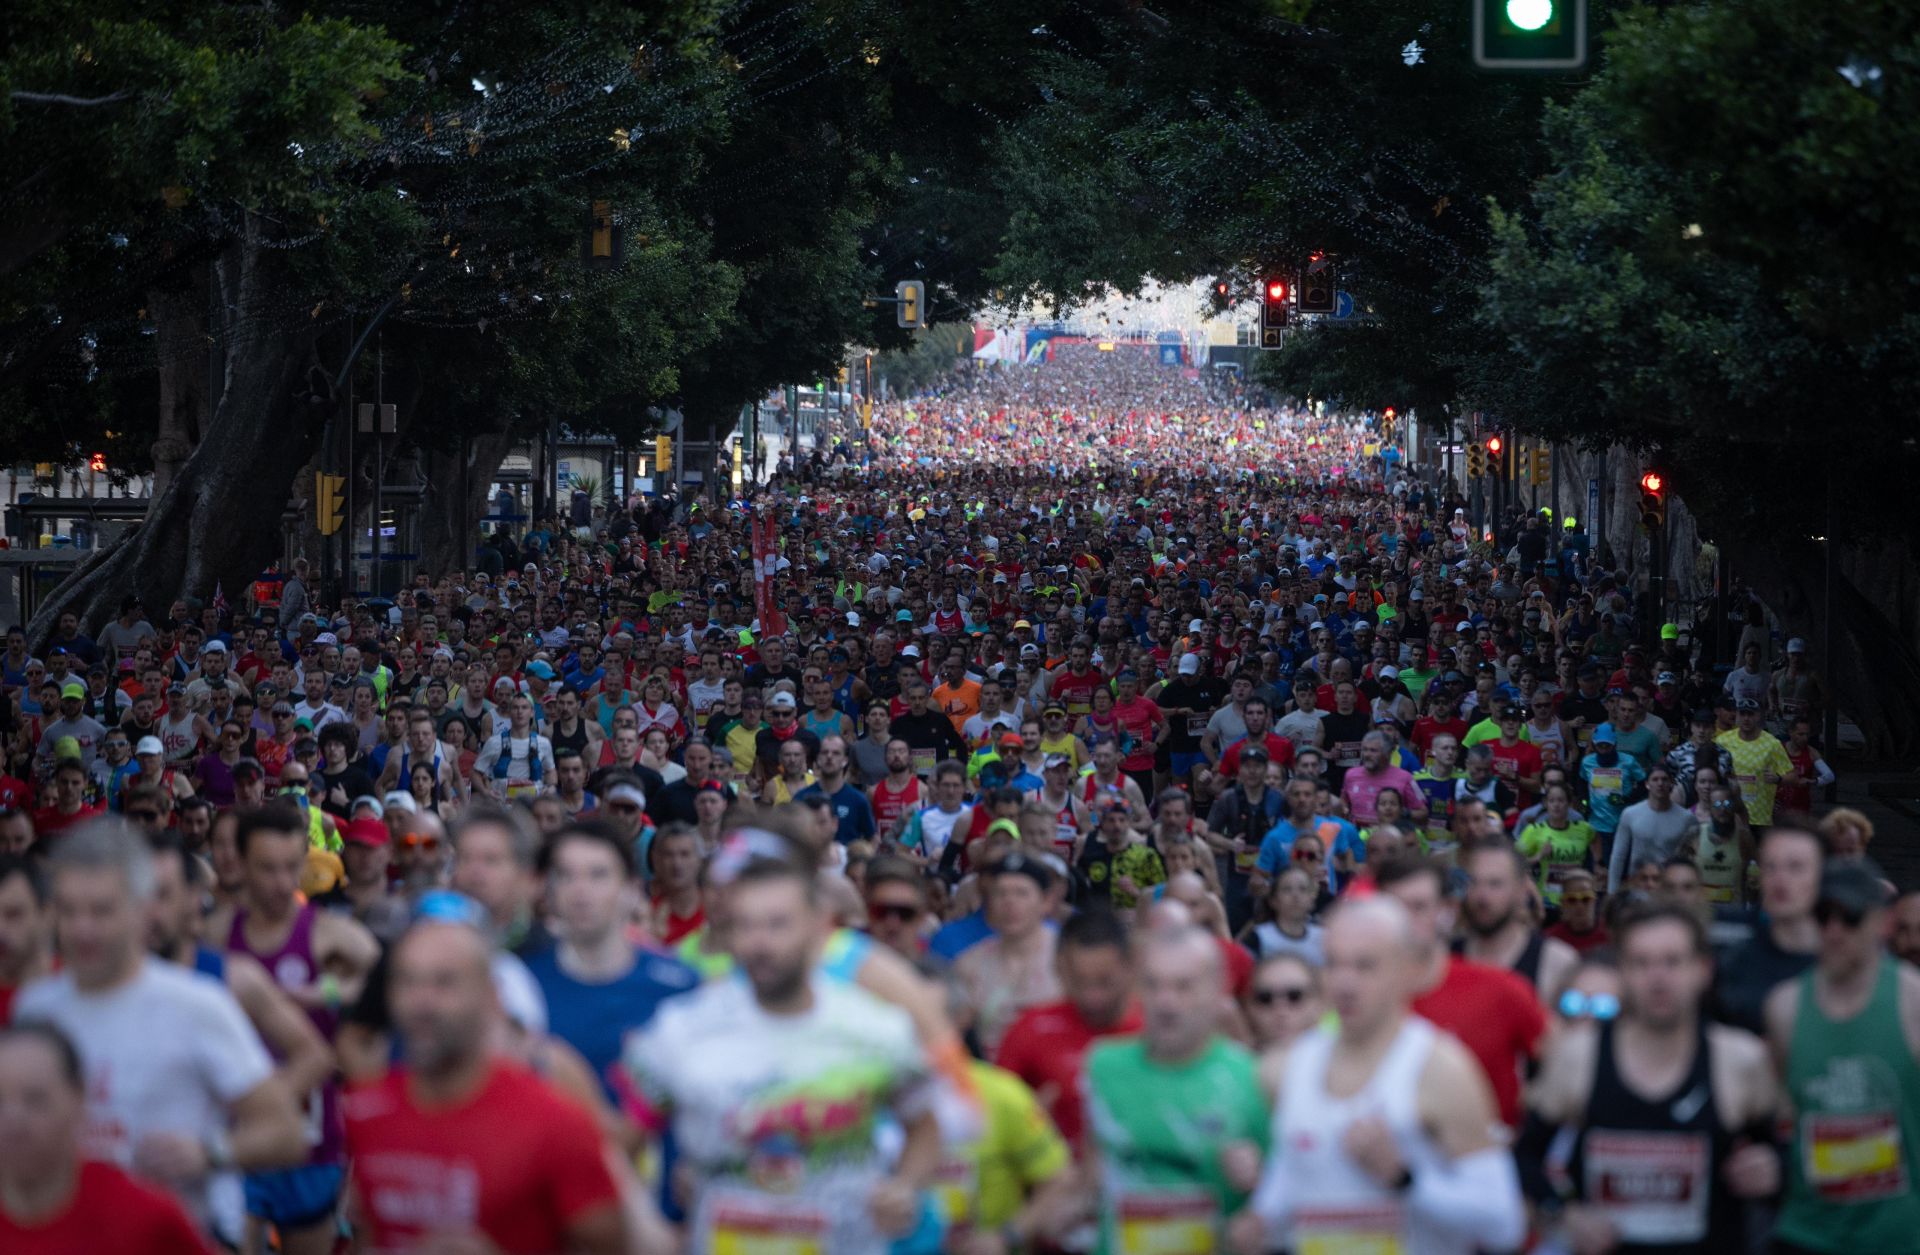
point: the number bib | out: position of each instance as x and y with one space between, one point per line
1853 1158
1377 1229
1654 1187
1167 1223
750 1224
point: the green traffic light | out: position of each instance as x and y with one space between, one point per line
1529 15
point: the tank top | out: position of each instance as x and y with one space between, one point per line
1066 827
1719 864
1328 1201
292 966
843 697
891 806
822 727
1653 1165
1856 1093
1527 965
575 741
178 738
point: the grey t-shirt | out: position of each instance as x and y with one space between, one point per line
125 639
1645 833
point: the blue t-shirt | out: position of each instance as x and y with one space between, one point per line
852 809
595 1018
1336 834
954 939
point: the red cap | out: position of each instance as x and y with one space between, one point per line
371 832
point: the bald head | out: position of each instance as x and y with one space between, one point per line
442 994
1372 954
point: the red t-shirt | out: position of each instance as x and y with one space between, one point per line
517 1161
1138 719
1239 963
1495 1015
1278 747
109 1211
1526 761
1581 942
49 819
1045 1046
1426 728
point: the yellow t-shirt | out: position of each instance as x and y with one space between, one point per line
1750 759
983 1185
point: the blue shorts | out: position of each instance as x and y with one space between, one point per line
294 1198
1184 763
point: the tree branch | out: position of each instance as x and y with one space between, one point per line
61 98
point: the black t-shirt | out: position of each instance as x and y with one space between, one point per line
353 783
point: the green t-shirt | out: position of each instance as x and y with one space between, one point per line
1557 851
1488 730
1160 1130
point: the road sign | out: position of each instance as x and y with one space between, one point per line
1343 305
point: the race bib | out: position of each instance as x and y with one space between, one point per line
744 1225
1370 1230
1654 1187
1245 860
1196 725
1854 1158
922 762
1167 1223
1605 780
954 1187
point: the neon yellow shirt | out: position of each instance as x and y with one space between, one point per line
982 1185
1751 759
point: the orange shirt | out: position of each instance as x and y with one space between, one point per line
958 702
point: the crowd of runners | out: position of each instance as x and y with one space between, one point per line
1108 817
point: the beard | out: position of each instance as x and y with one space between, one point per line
779 982
1485 927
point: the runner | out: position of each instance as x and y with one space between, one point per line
1846 1037
1499 925
1381 1134
1175 1116
772 1086
1671 1116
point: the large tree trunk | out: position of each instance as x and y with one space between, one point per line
218 520
449 515
179 307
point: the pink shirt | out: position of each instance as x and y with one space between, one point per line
1362 791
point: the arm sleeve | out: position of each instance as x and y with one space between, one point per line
1619 861
1475 1199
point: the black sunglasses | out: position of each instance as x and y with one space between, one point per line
145 817
893 910
1293 996
1827 912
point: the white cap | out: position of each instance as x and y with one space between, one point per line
1796 646
401 800
150 745
1189 664
215 646
369 800
1195 626
627 793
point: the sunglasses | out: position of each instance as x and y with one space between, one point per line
1827 912
897 911
143 816
422 841
1575 1005
1307 856
1571 899
1293 996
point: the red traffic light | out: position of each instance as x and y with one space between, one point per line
1220 289
1389 414
1653 482
1495 444
98 462
1276 289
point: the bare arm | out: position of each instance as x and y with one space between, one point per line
267 1132
305 1060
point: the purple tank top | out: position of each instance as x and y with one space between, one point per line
292 966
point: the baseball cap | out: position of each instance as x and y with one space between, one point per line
150 745
1014 739
1057 760
540 668
1389 673
1745 704
1604 735
1853 885
1029 650
401 800
1189 664
368 832
1021 623
1666 677
371 802
1669 631
782 701
1017 863
215 647
1796 646
73 691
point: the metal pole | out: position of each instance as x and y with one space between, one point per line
345 534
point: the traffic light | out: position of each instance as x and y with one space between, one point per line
911 310
662 454
1317 286
1222 295
97 463
1274 293
1541 470
329 502
1653 500
1529 34
1476 460
601 246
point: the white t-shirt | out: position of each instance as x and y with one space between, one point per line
777 1113
167 1052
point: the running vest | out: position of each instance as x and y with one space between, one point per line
503 763
1856 1095
575 741
1653 1165
830 726
293 966
1719 865
1331 1204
